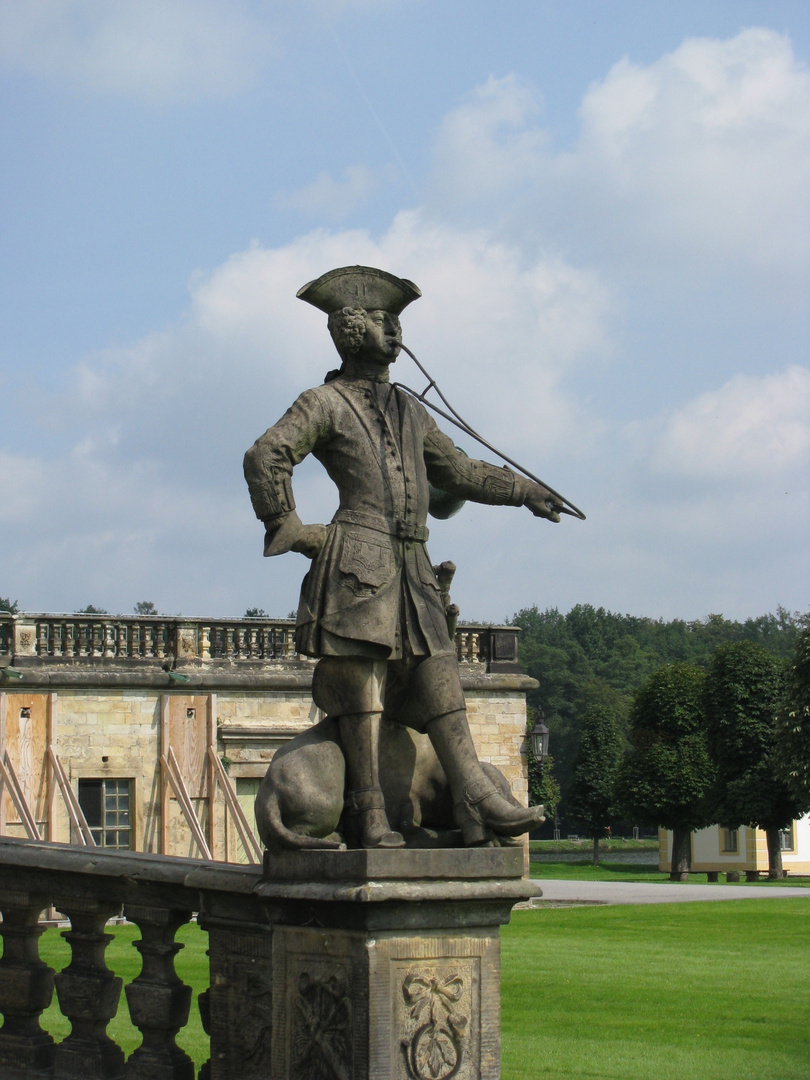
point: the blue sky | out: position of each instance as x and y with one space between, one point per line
604 203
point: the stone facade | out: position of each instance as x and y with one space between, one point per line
134 704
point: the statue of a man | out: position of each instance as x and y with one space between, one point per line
370 605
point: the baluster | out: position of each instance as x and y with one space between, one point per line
266 637
148 650
58 639
83 647
95 639
109 640
135 640
475 648
70 639
42 639
242 648
158 1001
88 994
26 989
205 642
122 639
289 643
237 1009
229 645
204 1005
160 640
253 646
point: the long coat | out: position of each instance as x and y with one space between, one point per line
371 591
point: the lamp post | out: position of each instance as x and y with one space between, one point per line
539 738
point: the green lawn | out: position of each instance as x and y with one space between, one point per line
716 991
585 847
615 871
191 965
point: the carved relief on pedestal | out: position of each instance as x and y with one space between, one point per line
321 1025
435 1019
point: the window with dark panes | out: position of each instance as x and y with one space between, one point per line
107 805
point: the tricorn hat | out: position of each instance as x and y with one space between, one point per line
359 286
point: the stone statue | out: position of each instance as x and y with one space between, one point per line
371 608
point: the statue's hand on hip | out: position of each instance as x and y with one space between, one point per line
310 540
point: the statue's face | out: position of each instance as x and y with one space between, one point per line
382 340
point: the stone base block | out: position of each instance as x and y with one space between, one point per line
386 1006
386 964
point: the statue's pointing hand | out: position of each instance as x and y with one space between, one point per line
541 502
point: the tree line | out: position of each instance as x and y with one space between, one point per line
673 724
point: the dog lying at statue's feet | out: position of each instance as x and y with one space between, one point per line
301 800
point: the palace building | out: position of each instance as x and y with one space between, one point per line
152 733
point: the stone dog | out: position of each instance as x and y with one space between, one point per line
300 803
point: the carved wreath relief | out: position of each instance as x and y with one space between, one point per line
322 1028
436 1030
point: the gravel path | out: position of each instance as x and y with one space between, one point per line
617 892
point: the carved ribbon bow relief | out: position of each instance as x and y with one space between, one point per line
434 1049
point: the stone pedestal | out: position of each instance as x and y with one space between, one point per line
386 964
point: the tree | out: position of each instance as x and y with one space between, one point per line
9 606
543 787
91 609
591 795
792 746
255 613
146 607
744 690
667 775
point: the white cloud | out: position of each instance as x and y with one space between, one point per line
156 50
710 144
704 154
749 430
329 198
153 491
245 332
489 144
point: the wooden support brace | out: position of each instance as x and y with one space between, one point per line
172 773
75 812
9 776
246 834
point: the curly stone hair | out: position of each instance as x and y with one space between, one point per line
347 327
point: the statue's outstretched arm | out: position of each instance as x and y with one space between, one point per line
467 478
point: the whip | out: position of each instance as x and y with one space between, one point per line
565 507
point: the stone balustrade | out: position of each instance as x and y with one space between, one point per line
126 640
157 893
279 946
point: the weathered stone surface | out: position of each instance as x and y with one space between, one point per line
376 864
400 977
372 609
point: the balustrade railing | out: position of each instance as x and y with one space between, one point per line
157 893
306 951
125 639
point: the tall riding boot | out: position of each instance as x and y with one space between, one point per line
360 736
479 808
